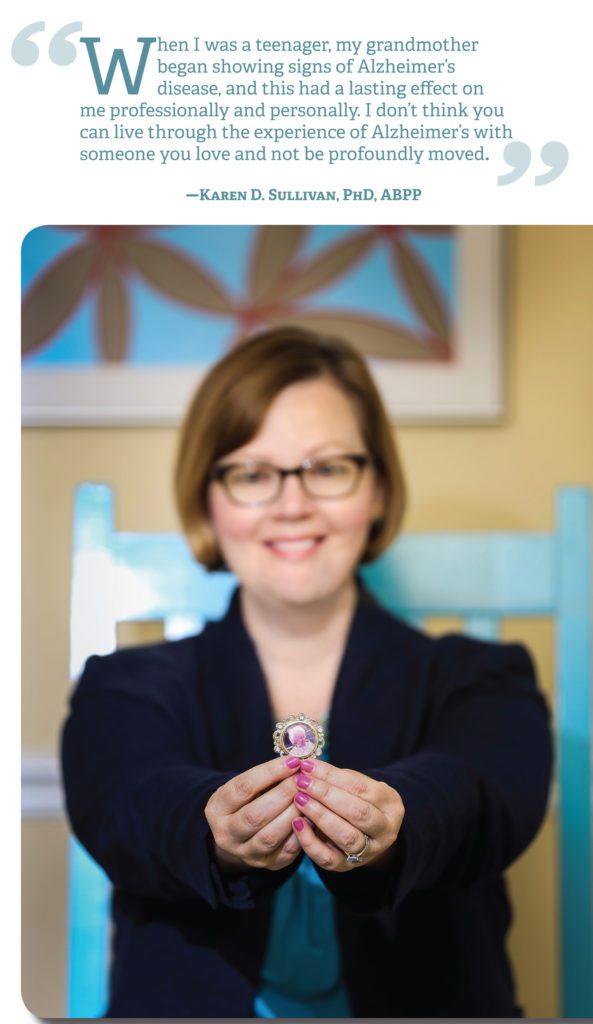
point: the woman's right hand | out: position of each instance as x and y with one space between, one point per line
251 817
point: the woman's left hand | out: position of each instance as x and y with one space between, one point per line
339 807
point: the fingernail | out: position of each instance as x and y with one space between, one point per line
293 762
307 766
301 799
298 824
303 781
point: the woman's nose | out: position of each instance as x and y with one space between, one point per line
293 499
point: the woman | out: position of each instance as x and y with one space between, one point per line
363 882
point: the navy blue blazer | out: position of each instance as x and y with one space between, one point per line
455 725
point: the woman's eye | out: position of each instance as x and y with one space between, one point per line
251 476
330 469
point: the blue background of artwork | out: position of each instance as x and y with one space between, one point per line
164 332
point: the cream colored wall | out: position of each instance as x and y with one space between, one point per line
488 477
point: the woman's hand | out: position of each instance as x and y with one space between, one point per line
251 817
339 807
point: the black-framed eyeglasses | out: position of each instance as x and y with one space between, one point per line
259 483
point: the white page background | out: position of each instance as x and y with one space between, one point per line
534 59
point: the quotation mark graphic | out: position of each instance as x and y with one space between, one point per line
24 51
518 156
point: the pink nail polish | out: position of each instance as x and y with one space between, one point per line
307 766
293 762
298 824
301 799
303 781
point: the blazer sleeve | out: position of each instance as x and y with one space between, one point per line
475 789
136 788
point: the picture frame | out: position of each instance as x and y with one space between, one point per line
468 387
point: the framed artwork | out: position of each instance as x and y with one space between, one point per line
120 322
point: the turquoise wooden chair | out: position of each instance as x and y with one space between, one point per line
482 577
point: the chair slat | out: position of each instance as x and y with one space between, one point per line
462 574
156 575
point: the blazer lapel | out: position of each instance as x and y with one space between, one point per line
233 689
362 726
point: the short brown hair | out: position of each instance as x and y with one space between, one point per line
230 406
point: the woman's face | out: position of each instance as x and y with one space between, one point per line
298 549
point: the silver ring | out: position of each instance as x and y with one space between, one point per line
355 858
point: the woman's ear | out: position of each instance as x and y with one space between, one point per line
379 500
377 508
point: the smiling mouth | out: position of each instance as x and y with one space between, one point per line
295 548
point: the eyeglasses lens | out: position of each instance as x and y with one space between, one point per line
331 479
